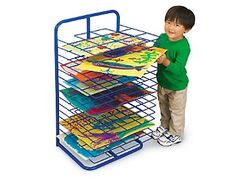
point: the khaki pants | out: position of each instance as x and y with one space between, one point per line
172 106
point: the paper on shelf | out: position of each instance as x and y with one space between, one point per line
134 64
106 100
101 44
98 84
71 141
106 129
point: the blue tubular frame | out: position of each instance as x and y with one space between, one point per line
114 156
87 17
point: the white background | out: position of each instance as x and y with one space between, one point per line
27 109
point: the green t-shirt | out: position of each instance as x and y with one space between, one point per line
174 76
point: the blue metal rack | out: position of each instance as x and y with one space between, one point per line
144 105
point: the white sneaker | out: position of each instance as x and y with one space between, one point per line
168 139
158 132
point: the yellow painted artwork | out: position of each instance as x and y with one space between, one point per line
134 64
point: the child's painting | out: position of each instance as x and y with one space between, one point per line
106 129
84 151
101 44
86 75
76 50
134 64
98 84
104 101
123 51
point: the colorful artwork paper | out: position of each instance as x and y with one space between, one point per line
98 84
134 64
101 44
105 129
84 151
104 101
84 75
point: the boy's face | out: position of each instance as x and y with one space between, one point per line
174 30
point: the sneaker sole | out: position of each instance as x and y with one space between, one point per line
155 137
168 145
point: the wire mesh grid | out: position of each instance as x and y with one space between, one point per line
135 104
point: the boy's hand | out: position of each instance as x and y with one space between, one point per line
163 60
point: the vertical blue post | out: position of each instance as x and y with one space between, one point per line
88 28
56 79
117 21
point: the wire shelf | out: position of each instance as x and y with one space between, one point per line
121 98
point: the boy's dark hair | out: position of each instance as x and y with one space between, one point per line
181 15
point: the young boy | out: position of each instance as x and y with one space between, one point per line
172 75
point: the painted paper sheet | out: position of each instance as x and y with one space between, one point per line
101 44
84 151
105 129
85 75
123 51
134 64
106 100
98 84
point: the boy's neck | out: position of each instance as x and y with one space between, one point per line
177 39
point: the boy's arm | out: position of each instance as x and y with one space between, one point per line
178 66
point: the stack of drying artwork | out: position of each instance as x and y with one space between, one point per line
100 85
